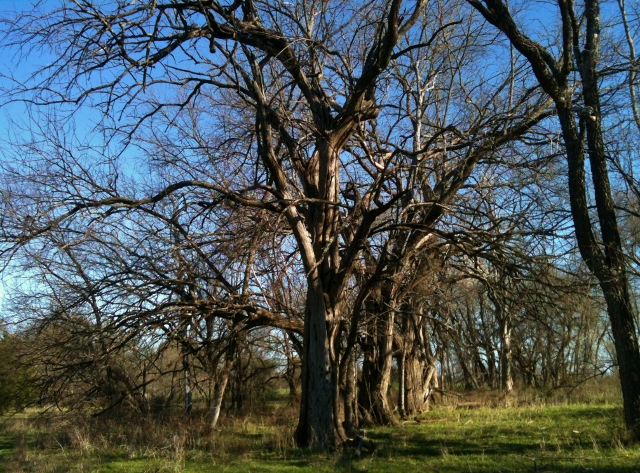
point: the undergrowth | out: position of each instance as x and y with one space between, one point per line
528 436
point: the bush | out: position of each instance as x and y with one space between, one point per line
16 380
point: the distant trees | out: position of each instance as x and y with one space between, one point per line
16 379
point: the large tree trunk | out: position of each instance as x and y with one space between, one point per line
609 266
421 378
316 424
382 411
419 365
414 396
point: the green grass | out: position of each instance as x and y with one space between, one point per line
565 438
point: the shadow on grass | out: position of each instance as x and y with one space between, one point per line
419 445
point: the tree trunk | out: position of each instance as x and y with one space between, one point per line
419 364
218 394
382 412
290 373
506 378
414 395
627 352
402 392
376 369
369 374
188 406
316 424
350 389
430 383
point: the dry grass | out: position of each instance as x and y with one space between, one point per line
534 434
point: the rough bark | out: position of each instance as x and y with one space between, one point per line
350 393
381 405
420 374
317 421
414 396
376 379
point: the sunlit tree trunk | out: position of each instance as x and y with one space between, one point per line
221 382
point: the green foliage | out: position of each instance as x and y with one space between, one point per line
16 379
569 438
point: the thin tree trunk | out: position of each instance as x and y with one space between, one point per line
381 409
218 394
430 384
369 372
290 373
188 406
350 395
505 357
401 385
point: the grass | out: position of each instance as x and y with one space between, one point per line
561 438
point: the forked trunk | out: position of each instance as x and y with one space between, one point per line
420 380
603 254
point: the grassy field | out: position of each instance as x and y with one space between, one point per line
562 438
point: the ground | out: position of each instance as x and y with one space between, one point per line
558 438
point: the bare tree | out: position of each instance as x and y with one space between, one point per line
581 121
328 141
273 57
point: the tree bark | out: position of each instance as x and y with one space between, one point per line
402 391
316 423
350 395
414 395
188 396
420 372
506 377
218 394
381 409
